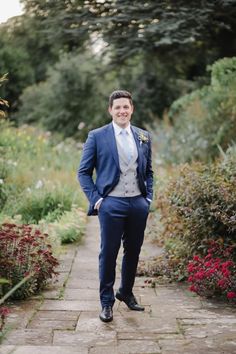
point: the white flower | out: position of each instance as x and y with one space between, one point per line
39 184
81 125
1 181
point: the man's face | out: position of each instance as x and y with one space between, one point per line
121 111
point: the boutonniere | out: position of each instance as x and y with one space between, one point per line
142 138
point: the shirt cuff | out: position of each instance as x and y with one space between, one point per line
97 203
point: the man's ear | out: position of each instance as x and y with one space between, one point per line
109 109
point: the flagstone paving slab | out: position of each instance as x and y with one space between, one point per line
73 305
138 346
105 337
6 349
64 319
104 350
29 336
50 350
82 294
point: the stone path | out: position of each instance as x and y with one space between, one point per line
65 320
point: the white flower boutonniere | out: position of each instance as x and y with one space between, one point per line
142 138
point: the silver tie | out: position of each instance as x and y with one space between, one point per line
125 144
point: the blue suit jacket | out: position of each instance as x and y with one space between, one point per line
100 154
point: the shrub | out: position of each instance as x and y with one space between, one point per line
197 205
214 274
25 250
204 122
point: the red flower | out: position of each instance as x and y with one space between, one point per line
221 283
196 258
193 288
4 311
231 295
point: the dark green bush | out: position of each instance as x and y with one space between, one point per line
199 205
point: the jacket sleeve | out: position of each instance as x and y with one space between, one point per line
86 168
149 172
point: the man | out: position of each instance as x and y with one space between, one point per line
121 155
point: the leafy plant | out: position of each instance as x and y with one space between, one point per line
24 251
68 228
39 204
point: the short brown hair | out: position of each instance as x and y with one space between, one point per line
120 94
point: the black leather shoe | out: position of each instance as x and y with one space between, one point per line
130 301
106 315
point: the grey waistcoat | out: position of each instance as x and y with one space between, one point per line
128 183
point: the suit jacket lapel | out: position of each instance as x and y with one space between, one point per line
111 141
139 148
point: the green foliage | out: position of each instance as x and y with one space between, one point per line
38 174
67 228
197 206
71 226
40 204
68 101
204 122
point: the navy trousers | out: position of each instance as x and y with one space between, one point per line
121 219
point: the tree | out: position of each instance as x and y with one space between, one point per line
25 54
163 28
70 101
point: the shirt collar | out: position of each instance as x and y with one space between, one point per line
118 129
